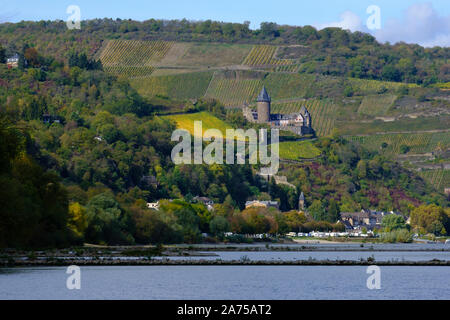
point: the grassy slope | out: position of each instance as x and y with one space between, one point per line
295 150
209 121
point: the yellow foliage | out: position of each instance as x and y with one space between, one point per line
77 218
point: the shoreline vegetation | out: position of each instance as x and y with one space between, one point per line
195 255
218 262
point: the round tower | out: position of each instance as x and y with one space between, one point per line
308 119
263 106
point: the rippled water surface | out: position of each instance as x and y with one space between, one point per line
226 282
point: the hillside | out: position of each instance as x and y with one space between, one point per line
104 128
410 119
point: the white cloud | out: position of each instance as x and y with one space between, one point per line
349 21
420 24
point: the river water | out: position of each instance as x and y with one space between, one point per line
226 282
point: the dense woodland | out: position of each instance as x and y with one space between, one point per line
77 144
330 51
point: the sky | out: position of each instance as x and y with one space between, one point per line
412 21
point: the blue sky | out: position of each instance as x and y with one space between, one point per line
395 14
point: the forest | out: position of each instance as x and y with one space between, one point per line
329 51
78 145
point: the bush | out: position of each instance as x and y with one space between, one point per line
400 235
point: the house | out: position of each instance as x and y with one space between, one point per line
261 204
359 220
149 181
13 62
49 119
369 219
206 201
348 226
153 205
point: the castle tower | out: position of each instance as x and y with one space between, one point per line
263 106
301 202
308 119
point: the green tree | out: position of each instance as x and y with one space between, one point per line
431 218
317 210
107 222
219 225
392 222
333 211
2 55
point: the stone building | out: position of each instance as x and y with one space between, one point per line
299 122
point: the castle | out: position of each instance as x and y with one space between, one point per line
299 123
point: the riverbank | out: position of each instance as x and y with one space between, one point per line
242 262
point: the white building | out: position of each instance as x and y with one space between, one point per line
153 205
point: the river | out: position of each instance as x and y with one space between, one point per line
226 282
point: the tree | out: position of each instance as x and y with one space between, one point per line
32 57
431 218
2 55
107 222
219 225
34 205
404 149
393 222
77 218
390 73
333 211
348 91
317 210
269 29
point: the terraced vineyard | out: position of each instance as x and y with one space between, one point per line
132 57
130 71
417 142
288 68
182 86
134 52
376 105
287 86
439 178
323 113
440 141
233 92
206 55
373 86
263 55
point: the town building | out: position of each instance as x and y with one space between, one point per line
147 181
369 219
206 201
300 122
49 119
261 204
153 205
13 62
